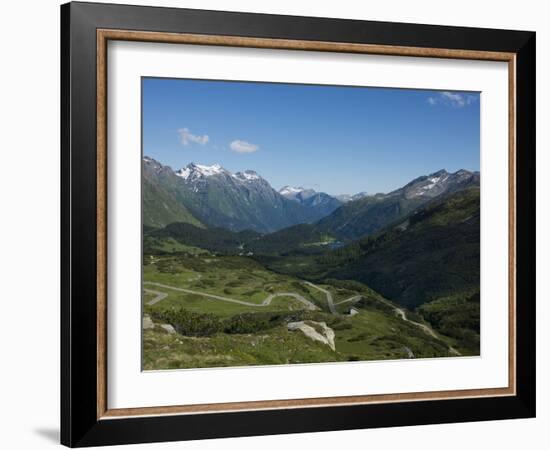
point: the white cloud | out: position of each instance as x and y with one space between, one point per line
186 137
243 147
454 99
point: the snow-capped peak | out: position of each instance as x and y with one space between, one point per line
183 172
198 170
290 190
462 174
433 181
247 175
437 183
208 171
436 178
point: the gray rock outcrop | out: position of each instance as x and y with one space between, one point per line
317 331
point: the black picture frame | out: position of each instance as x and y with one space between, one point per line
80 425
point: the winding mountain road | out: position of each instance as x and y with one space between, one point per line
399 311
309 305
267 301
428 330
355 298
159 296
330 300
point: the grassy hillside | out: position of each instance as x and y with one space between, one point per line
160 208
456 316
367 215
298 239
303 238
432 253
214 297
184 235
213 332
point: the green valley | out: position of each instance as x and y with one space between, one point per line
389 276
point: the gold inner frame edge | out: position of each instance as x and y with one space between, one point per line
104 35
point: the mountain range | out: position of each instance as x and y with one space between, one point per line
370 213
212 196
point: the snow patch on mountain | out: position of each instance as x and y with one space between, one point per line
437 183
344 198
300 194
209 171
433 181
247 175
194 174
194 171
290 190
183 173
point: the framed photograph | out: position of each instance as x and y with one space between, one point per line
276 224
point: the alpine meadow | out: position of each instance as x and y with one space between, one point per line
292 224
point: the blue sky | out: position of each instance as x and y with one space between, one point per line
339 140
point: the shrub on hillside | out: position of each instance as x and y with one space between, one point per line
248 323
189 323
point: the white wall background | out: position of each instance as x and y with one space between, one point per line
29 225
